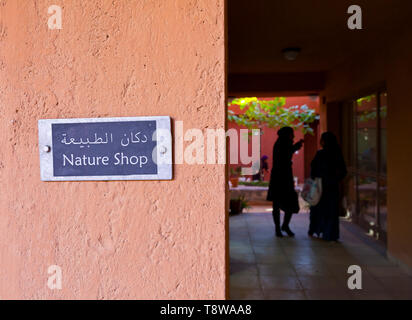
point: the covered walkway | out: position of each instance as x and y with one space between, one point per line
265 267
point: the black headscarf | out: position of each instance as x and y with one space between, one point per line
333 154
330 143
285 133
284 137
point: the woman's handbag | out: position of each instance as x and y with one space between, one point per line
312 191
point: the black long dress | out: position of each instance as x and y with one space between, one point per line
324 217
281 186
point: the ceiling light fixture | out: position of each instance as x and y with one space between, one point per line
291 54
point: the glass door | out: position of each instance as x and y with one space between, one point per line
382 180
364 132
366 109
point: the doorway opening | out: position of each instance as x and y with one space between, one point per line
306 54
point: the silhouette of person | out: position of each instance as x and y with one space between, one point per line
281 186
330 166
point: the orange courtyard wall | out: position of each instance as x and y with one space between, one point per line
130 239
269 137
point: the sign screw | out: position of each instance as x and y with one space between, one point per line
46 148
163 150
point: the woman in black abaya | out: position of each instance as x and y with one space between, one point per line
328 165
281 186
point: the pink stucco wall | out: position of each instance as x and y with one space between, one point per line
113 240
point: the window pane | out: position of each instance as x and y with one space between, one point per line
367 188
383 115
350 201
366 131
383 210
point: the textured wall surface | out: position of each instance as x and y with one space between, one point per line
132 239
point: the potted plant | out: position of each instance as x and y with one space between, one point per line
234 176
238 204
244 204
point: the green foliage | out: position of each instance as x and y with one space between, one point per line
254 183
235 172
244 204
366 98
272 114
369 115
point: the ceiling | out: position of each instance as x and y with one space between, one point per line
260 29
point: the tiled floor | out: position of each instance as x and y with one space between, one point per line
265 267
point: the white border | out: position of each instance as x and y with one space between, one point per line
164 167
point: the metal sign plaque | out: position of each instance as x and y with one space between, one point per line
133 148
